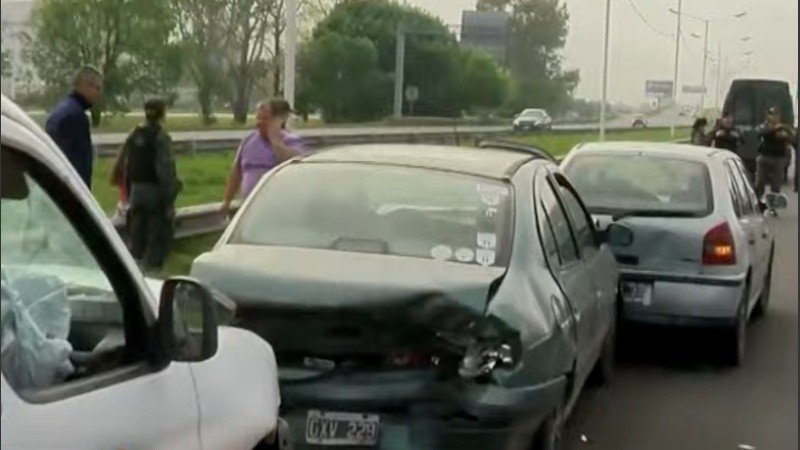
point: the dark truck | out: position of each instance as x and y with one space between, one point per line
747 102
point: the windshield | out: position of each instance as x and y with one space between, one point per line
643 185
384 210
535 114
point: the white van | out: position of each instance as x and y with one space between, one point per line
91 358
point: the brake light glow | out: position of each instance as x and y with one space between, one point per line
719 248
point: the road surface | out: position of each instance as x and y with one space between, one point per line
666 397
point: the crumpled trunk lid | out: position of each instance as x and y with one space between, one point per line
322 309
663 244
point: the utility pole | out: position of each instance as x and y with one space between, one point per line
677 64
605 72
290 51
399 69
719 75
705 64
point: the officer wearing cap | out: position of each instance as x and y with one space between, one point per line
146 166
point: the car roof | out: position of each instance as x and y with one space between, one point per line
491 163
661 149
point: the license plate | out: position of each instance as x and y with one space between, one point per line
339 428
640 293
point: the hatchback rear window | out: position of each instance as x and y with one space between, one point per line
381 209
642 185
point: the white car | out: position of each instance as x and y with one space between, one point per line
702 248
91 358
532 119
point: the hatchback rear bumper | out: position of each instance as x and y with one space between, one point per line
682 300
446 416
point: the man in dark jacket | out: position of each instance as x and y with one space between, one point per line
153 184
776 140
68 125
725 136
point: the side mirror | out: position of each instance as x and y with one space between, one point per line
777 201
617 235
189 312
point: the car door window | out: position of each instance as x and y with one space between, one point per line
548 237
736 198
748 186
745 205
579 218
557 217
70 310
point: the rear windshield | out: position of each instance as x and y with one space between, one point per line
748 101
642 185
384 210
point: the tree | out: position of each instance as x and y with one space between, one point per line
342 74
246 23
129 41
202 41
434 62
483 85
538 32
6 63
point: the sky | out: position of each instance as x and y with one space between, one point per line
640 52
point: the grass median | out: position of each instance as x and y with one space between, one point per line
204 179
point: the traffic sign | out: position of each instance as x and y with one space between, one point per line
412 93
658 89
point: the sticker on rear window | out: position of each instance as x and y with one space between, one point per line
485 257
465 255
487 240
441 253
492 189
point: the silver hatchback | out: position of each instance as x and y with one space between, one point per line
702 248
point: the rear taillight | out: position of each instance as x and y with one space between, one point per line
408 359
719 248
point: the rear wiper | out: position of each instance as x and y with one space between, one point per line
652 213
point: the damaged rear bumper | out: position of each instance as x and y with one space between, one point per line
424 414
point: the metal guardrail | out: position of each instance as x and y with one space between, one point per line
205 219
211 142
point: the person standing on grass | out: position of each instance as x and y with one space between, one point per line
262 150
698 136
68 125
145 171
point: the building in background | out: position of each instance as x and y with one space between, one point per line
19 77
487 31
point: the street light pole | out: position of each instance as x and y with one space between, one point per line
677 63
290 51
705 63
399 69
719 74
605 72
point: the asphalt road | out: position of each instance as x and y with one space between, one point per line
666 396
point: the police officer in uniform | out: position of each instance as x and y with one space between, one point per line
776 141
153 187
725 135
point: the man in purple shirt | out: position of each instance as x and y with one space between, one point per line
260 151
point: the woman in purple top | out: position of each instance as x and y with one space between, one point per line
260 151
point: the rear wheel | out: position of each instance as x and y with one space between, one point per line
763 300
280 441
734 338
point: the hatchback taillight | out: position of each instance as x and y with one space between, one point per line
719 248
408 359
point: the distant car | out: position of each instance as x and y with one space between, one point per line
91 358
532 119
438 297
640 122
702 249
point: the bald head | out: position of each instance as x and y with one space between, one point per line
88 83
